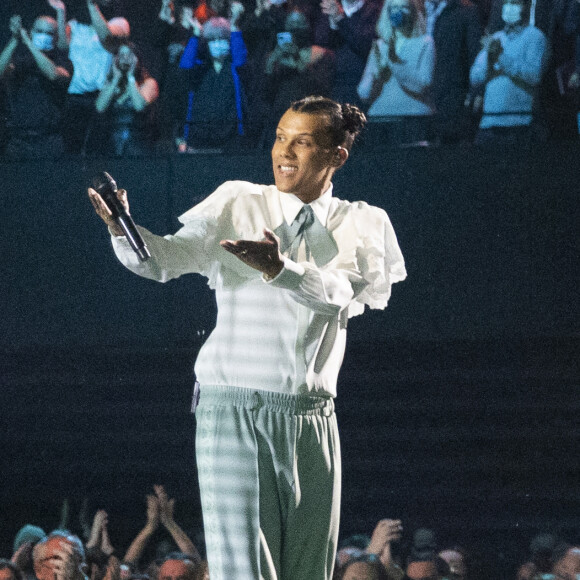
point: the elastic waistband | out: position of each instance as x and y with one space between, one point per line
216 395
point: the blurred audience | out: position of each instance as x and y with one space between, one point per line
91 41
510 68
348 28
36 75
126 101
456 29
296 68
217 102
212 74
399 73
567 564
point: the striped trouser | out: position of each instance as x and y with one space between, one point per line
269 475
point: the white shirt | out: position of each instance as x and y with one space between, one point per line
90 59
288 334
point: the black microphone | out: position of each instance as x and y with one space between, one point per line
106 187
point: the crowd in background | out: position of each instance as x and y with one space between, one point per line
86 552
91 77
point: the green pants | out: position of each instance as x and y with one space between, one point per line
269 474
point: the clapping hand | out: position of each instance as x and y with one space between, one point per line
15 26
57 4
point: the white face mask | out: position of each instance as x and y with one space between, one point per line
43 40
511 13
219 48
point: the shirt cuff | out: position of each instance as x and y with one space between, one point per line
290 276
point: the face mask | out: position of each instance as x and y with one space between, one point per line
400 17
277 2
511 13
219 48
284 38
43 40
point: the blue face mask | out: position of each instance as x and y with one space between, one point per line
400 17
219 48
43 40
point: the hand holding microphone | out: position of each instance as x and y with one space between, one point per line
112 207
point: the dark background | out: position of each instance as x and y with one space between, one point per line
458 405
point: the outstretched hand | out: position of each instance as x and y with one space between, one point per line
263 256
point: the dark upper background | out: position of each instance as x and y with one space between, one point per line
458 405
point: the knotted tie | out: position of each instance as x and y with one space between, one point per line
301 223
319 241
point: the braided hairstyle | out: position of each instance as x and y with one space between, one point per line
345 121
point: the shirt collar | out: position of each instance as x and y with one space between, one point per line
352 7
291 206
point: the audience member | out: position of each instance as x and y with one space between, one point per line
296 68
60 556
91 41
399 72
455 28
457 560
160 511
9 571
365 567
216 104
36 75
510 68
567 564
386 532
348 29
126 97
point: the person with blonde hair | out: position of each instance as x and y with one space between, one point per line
399 72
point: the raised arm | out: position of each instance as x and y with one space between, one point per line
107 32
46 66
63 29
182 540
8 51
138 545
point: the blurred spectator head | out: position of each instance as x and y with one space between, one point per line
216 32
567 566
343 122
405 15
351 547
28 533
542 550
49 551
44 32
9 571
456 559
365 567
424 545
436 569
298 25
515 12
177 566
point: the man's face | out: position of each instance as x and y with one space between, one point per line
6 574
360 571
302 155
568 567
176 570
48 554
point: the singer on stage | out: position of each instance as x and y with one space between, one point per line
289 264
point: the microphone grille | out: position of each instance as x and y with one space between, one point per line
104 181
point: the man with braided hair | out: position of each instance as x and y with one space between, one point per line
290 264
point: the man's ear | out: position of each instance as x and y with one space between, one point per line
339 157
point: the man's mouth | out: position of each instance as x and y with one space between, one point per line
287 169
